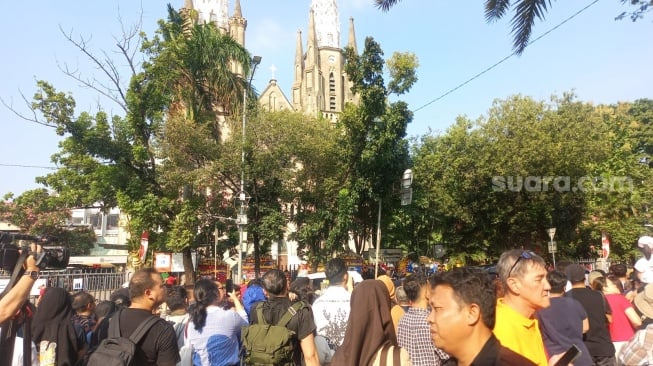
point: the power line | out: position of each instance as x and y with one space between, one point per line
29 166
505 58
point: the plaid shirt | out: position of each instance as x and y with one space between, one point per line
414 335
639 350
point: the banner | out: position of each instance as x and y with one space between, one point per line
605 245
142 251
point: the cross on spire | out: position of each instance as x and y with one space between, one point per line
273 69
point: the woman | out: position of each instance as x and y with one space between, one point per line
624 317
57 340
370 331
213 332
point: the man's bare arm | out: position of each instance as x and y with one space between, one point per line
16 297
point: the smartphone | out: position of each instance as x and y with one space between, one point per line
572 353
229 286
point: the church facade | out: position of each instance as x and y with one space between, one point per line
320 86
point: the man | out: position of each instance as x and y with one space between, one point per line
402 298
177 302
302 323
12 301
159 345
331 309
462 316
522 274
597 338
84 305
621 271
564 322
413 331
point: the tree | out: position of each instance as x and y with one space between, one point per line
373 150
119 160
499 182
525 13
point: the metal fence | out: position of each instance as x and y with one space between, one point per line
100 285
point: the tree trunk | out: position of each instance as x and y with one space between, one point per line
257 256
189 271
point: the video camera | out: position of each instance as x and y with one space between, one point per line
51 256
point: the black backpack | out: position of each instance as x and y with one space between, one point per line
116 350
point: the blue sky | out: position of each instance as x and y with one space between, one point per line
602 60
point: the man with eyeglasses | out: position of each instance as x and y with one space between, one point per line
522 274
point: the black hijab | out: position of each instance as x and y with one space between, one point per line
53 323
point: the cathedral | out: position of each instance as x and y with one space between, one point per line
320 86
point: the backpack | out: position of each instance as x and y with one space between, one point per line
267 344
116 350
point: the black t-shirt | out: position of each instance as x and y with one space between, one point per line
597 339
302 323
159 345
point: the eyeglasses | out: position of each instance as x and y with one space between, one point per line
526 254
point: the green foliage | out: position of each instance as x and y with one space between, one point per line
472 188
373 152
403 72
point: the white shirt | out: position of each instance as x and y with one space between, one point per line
17 359
331 313
645 266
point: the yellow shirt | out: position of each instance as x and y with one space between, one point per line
519 334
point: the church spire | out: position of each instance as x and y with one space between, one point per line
312 45
352 36
238 13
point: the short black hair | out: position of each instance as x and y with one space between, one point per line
275 282
413 285
557 280
335 271
619 270
176 299
470 286
141 281
81 300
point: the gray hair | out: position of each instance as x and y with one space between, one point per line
515 263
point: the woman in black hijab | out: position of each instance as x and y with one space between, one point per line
57 340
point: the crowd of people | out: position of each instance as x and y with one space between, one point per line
528 314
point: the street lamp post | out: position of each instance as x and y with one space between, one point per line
241 219
552 244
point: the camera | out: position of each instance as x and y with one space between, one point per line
51 256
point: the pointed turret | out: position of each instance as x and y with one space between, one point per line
238 24
238 13
188 4
299 72
352 36
299 58
311 49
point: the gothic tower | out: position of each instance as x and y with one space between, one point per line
321 86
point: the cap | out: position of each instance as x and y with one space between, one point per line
645 241
644 301
575 273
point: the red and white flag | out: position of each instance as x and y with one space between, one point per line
142 251
605 245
